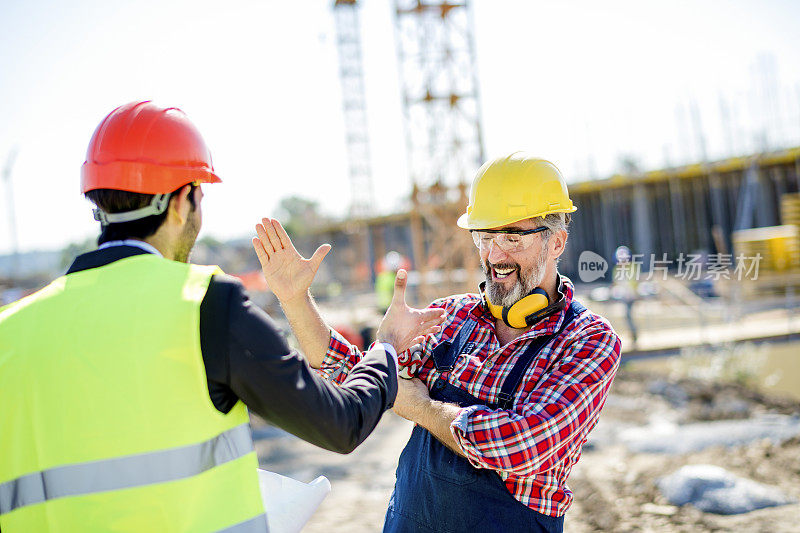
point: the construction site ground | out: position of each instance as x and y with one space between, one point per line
698 364
614 487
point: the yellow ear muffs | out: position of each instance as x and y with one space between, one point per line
525 312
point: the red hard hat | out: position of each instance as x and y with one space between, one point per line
141 147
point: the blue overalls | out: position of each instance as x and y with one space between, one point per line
439 490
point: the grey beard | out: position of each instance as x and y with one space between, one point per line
526 282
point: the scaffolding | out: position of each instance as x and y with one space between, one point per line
351 75
441 110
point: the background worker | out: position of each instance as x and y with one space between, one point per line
511 386
626 285
125 381
384 281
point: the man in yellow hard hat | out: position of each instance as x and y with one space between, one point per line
124 382
510 388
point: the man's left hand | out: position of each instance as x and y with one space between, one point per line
403 326
412 398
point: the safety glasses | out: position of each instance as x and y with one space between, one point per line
510 241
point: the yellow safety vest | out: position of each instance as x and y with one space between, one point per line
384 288
106 421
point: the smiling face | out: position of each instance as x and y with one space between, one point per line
512 276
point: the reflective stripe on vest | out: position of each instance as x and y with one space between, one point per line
109 424
258 524
125 472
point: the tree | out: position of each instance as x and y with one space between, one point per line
74 249
299 215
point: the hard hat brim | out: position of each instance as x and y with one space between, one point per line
144 178
464 221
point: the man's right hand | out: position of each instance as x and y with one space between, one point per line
288 274
404 326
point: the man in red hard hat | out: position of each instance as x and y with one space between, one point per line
125 381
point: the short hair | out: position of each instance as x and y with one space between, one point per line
554 222
115 201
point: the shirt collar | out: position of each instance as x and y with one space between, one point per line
147 247
106 255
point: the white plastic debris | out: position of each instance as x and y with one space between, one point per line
290 503
715 490
667 437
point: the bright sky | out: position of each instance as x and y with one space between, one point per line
580 83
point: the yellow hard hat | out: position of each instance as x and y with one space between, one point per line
513 188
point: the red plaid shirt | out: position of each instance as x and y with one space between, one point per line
534 445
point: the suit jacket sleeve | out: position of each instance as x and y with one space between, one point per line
247 359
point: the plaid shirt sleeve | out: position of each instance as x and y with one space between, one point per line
555 418
342 356
339 360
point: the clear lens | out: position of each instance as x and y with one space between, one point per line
508 242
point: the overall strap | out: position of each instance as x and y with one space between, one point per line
505 399
446 353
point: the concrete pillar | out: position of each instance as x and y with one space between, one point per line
700 201
778 180
680 243
610 239
642 224
718 211
765 208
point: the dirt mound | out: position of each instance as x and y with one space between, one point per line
700 400
615 489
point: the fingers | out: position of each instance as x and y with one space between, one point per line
423 332
433 329
432 315
430 328
436 321
261 233
263 257
283 237
430 320
400 281
271 234
319 255
424 329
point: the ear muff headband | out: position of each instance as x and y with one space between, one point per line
527 311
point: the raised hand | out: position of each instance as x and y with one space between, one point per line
288 274
404 326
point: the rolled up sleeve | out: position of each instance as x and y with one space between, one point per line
555 418
340 359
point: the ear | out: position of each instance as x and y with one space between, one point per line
179 204
557 243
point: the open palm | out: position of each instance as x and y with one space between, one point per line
403 326
288 274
